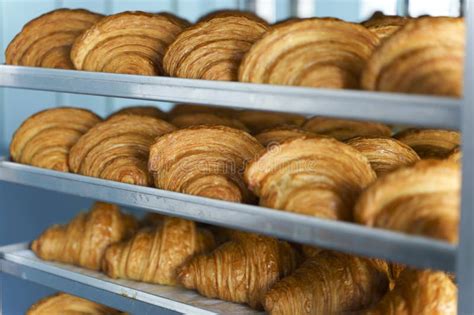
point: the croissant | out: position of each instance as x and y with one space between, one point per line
45 139
66 304
280 134
455 155
430 143
185 109
152 219
422 199
231 13
46 41
117 149
418 293
83 241
258 121
316 52
383 25
330 283
206 161
196 119
384 154
314 176
127 42
344 129
213 48
241 270
426 56
153 255
141 111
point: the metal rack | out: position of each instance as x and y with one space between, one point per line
393 108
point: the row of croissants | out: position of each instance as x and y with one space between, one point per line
328 168
240 267
385 53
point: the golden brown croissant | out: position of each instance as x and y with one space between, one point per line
344 129
330 283
430 143
83 241
45 139
185 109
258 121
418 293
455 155
277 135
317 52
46 41
383 25
127 42
422 199
384 154
426 56
196 119
206 161
240 270
154 254
117 149
228 12
141 111
213 48
66 304
314 176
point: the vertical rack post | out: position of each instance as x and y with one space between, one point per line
465 255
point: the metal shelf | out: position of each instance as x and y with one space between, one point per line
129 296
387 107
347 237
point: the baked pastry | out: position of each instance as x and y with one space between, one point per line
422 199
117 149
185 109
430 143
66 304
154 254
46 41
213 48
44 139
127 42
316 52
196 119
241 270
141 111
344 129
455 155
330 283
320 177
152 219
276 135
82 242
206 161
418 293
258 121
384 154
383 25
426 56
229 12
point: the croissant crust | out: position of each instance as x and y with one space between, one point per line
258 121
385 26
430 143
141 111
277 135
196 119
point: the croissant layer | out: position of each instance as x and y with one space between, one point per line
430 143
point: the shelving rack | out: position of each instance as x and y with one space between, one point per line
144 299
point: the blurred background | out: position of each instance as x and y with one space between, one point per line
26 212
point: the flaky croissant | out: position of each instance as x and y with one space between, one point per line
418 293
383 25
277 135
46 41
229 12
45 139
213 48
83 241
154 254
422 199
196 119
345 129
117 149
329 283
127 42
426 56
141 111
430 143
186 109
206 161
316 52
66 304
258 121
240 270
314 176
384 154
